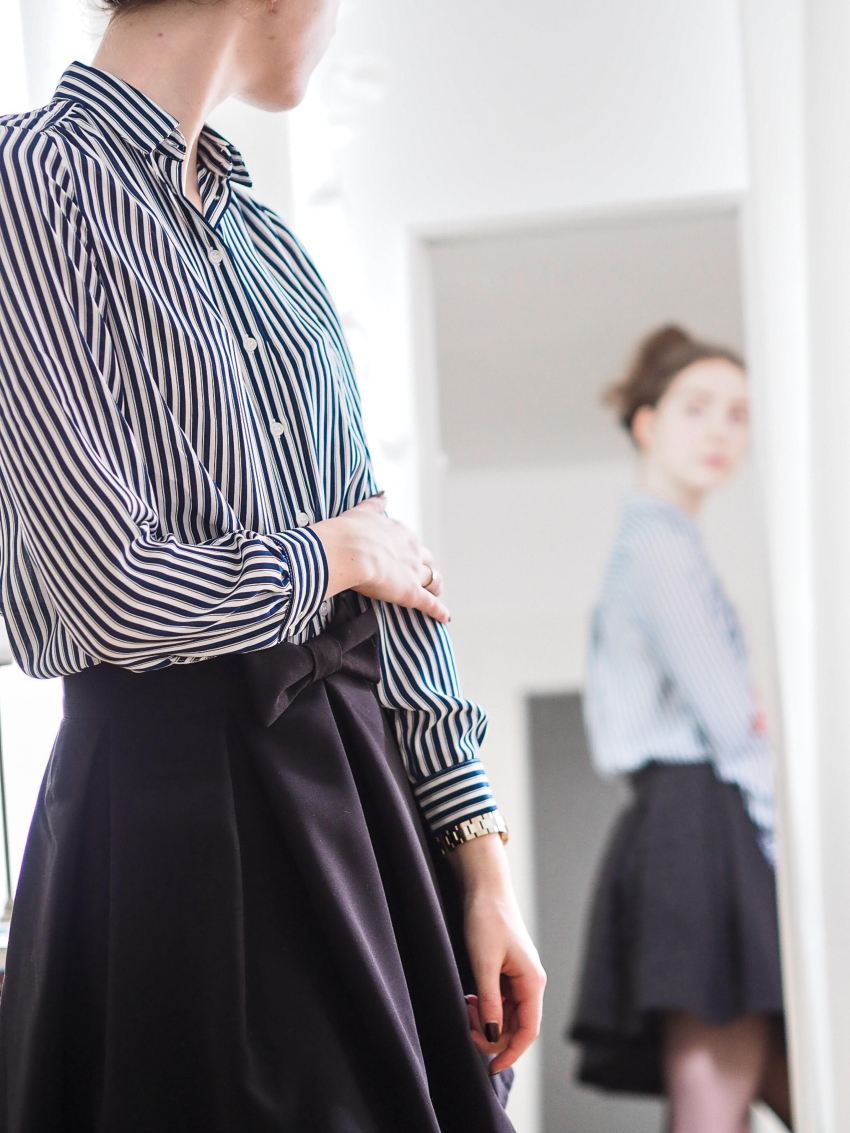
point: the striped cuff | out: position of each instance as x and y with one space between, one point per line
459 792
308 574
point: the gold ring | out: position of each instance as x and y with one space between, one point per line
431 579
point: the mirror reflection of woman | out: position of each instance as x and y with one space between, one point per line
680 994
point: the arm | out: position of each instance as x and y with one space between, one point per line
438 730
504 960
73 470
685 619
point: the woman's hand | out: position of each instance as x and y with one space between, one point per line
381 558
505 1014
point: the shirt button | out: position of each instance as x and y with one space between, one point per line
302 518
249 343
324 608
278 428
216 255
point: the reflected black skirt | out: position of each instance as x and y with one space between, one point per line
230 918
683 918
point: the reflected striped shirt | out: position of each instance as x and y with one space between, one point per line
668 674
178 405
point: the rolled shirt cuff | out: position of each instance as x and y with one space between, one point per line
761 810
767 842
454 794
308 575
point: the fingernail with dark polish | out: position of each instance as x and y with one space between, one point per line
491 1030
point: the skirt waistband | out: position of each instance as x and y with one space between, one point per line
264 681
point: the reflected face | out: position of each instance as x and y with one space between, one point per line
280 49
698 433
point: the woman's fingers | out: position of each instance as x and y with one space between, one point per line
487 981
433 607
432 579
410 578
477 1032
526 997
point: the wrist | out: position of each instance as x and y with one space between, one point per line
464 830
350 566
481 864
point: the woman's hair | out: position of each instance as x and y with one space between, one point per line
658 359
120 5
128 5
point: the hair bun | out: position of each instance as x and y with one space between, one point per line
656 361
662 343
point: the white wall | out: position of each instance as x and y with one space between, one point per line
798 65
827 70
797 269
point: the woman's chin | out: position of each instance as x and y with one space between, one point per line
707 478
282 92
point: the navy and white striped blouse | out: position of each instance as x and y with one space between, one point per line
178 404
668 674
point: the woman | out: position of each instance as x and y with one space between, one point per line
681 989
233 912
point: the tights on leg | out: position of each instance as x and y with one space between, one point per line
775 1085
713 1074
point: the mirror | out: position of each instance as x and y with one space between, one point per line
531 326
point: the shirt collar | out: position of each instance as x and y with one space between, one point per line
143 122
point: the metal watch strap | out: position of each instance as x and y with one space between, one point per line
490 823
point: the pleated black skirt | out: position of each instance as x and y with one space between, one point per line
683 918
230 918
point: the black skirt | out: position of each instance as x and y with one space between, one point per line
683 918
230 918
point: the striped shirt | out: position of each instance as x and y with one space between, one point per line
178 404
668 674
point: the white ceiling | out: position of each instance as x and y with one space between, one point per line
533 324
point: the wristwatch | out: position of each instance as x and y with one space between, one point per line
492 822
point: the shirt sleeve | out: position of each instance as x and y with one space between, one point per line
74 471
703 655
439 731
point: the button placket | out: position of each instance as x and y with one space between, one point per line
250 344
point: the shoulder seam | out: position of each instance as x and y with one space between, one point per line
58 140
43 124
55 139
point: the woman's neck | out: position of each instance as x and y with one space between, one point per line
181 57
656 483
